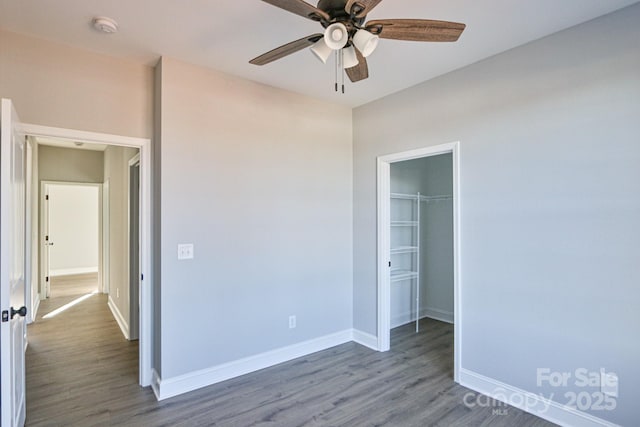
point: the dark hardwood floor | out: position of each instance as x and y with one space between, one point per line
82 372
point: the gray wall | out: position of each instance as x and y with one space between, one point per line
70 165
116 167
156 238
549 155
56 85
431 176
259 180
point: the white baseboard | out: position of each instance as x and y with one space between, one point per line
170 387
437 314
530 402
365 339
35 305
432 313
401 319
155 383
124 327
72 271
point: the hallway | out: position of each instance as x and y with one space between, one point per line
79 365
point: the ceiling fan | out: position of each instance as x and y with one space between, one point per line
350 37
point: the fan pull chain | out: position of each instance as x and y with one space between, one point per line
337 65
342 68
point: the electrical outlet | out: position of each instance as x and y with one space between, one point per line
185 251
292 322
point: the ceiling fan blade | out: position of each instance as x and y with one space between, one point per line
300 7
285 50
420 30
360 71
363 7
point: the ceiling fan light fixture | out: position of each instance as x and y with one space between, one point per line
349 57
365 42
336 36
321 50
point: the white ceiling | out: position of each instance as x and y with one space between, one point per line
226 34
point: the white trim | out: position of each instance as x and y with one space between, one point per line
106 238
72 271
135 160
529 402
384 256
383 249
437 314
147 284
82 136
194 380
35 305
44 228
155 383
124 327
425 312
144 144
365 339
28 232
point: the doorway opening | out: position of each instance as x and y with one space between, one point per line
131 223
418 243
70 216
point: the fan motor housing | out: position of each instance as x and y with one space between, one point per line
337 12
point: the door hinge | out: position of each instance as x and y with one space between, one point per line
5 316
46 238
47 279
46 197
141 276
389 263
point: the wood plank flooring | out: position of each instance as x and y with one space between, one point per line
82 372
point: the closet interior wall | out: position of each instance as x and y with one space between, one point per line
428 176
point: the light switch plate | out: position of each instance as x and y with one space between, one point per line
185 251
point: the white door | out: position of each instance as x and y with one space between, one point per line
12 269
46 243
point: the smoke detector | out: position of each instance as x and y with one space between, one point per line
105 25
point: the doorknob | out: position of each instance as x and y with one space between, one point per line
21 312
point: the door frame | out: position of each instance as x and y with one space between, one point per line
28 235
106 240
384 238
44 215
134 327
146 301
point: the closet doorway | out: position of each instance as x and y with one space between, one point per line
418 250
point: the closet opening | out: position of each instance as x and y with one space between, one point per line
421 243
418 258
